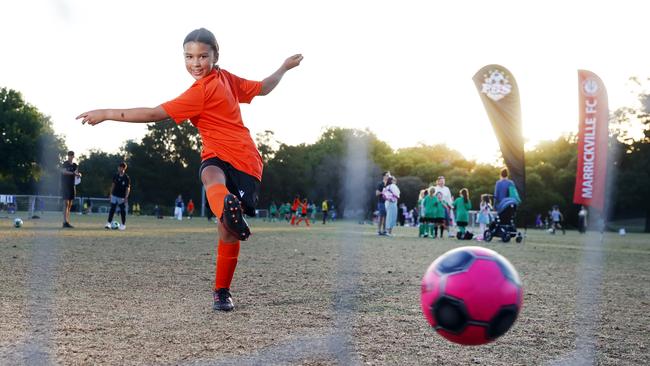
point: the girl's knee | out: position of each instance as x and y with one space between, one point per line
212 175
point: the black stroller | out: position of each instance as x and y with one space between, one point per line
503 226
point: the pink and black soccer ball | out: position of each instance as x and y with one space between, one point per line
471 295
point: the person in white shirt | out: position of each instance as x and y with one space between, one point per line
391 194
447 197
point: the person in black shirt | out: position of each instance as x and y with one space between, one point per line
69 172
120 190
381 205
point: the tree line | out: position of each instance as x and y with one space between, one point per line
165 163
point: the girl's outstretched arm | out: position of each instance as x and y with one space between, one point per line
133 115
272 81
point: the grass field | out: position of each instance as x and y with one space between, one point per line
143 296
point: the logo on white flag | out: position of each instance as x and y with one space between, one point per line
590 86
496 85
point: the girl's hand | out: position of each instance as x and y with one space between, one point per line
292 62
93 117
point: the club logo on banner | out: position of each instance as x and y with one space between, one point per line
499 93
496 85
593 134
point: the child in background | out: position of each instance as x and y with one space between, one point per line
273 212
484 214
462 205
440 210
303 209
295 207
313 210
190 209
424 220
285 211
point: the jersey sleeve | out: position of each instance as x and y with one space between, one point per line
187 105
246 90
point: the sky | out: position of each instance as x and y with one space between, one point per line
403 69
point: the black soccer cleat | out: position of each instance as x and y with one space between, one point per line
232 217
223 300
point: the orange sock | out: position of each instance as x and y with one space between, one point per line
227 254
215 194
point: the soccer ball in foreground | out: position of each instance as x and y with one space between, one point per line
115 225
18 222
471 295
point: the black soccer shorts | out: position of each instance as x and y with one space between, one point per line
244 186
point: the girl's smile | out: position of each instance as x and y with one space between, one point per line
199 59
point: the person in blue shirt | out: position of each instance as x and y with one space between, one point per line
506 198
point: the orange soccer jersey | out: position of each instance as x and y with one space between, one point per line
212 105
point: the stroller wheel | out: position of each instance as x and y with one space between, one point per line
519 239
487 236
505 236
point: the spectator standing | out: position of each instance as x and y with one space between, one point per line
381 204
391 194
273 211
312 210
69 173
157 212
484 214
448 202
179 206
325 208
582 220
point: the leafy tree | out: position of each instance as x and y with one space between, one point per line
266 144
316 171
633 183
98 169
31 152
164 164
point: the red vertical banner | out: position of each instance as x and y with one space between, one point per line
593 135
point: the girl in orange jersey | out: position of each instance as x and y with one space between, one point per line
303 212
295 207
231 168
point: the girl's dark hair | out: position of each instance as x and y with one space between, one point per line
389 180
465 193
204 36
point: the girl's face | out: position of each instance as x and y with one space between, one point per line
199 59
